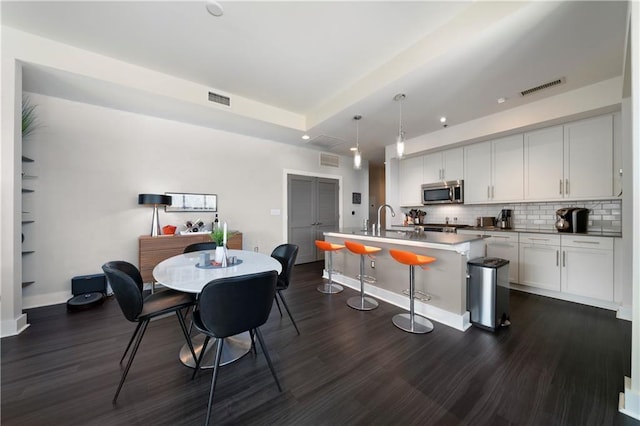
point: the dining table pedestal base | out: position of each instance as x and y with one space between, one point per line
234 348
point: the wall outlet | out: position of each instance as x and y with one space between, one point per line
373 264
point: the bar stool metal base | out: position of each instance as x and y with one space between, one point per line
420 324
362 303
330 288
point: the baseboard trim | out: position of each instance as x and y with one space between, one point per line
629 401
15 326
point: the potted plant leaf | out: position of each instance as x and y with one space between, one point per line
217 235
29 121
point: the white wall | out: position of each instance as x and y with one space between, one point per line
92 162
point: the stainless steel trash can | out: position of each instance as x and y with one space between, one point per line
488 292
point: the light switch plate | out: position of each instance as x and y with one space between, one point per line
275 212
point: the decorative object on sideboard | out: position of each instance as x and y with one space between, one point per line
400 138
155 200
195 226
168 230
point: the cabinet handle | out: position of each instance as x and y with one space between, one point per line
557 258
564 259
587 242
499 236
488 192
560 186
566 186
538 239
492 193
441 174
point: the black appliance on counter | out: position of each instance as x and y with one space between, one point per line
504 219
572 219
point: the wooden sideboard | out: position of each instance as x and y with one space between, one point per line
153 250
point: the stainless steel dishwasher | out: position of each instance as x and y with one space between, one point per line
488 292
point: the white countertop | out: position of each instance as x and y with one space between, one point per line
408 237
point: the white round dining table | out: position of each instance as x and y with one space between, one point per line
184 273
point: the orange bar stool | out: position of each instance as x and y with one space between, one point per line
361 302
327 247
411 322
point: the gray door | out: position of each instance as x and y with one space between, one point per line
313 209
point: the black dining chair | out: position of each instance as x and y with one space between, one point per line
230 306
285 254
126 283
209 245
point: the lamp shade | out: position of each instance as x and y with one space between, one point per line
154 199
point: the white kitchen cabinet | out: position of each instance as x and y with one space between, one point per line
543 164
410 178
574 161
539 261
493 171
477 173
588 158
443 166
587 266
504 245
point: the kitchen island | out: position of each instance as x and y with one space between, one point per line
388 280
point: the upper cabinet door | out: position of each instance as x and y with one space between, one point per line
452 164
508 175
588 158
477 173
410 179
543 164
432 168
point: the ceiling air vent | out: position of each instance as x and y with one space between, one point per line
220 99
329 160
542 87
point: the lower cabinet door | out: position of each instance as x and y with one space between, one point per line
502 248
539 266
588 272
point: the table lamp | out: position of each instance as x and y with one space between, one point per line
155 200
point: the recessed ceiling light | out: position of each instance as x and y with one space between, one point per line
443 119
306 137
214 8
502 100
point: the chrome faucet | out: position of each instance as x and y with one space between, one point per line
393 214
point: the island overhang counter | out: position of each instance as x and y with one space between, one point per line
444 282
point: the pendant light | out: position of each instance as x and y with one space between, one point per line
357 156
400 138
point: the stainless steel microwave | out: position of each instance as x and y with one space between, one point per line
450 192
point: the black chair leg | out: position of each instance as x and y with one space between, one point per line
183 326
133 355
214 378
266 355
253 341
278 305
199 360
284 302
130 341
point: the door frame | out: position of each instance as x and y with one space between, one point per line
285 198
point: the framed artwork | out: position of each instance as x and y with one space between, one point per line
356 198
189 202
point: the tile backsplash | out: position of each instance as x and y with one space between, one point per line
603 215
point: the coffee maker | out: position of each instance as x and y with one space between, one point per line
572 219
504 219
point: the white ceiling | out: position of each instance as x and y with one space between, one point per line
329 61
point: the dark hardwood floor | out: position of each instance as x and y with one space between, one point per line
559 363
